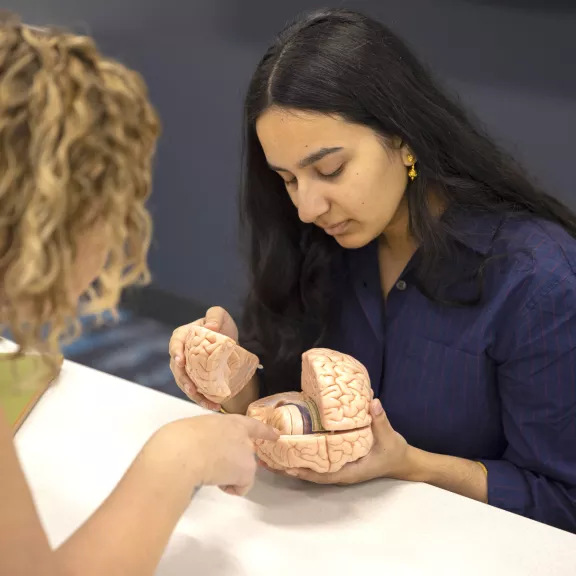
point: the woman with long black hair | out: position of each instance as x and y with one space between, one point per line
384 223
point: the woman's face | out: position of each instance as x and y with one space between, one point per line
93 248
340 176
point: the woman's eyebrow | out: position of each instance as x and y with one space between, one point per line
311 158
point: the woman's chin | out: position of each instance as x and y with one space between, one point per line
352 241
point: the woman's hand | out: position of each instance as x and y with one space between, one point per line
221 448
392 457
217 320
387 459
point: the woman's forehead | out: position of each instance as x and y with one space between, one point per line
289 136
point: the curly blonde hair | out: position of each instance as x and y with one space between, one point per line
77 139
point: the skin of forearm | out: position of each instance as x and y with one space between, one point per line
239 404
128 533
457 475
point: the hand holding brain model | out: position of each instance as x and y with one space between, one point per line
322 428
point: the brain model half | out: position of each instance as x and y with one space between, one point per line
325 426
219 368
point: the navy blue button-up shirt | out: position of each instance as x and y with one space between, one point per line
494 382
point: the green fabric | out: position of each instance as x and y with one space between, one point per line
22 380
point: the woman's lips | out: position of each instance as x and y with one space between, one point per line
337 229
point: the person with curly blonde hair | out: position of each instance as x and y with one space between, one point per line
77 139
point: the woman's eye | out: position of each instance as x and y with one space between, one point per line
333 174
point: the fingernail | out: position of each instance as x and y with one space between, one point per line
211 324
292 473
277 431
377 408
178 360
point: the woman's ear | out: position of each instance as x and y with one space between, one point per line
396 143
408 157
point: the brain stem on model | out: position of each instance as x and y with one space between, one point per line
323 427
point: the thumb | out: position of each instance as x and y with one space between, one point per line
214 318
380 424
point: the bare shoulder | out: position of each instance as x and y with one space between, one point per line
24 548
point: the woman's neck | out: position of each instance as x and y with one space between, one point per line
397 239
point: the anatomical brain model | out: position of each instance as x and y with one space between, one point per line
217 365
324 427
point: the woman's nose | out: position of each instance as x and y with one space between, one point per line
311 206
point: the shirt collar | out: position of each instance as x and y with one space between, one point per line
474 230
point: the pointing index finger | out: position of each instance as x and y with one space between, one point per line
259 431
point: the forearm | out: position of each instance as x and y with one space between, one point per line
128 533
457 475
239 404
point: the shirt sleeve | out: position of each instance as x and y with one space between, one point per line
536 476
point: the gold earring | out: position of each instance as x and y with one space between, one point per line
412 172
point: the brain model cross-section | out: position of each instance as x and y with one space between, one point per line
323 427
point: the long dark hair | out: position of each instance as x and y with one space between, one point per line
341 62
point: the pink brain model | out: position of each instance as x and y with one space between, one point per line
219 368
325 426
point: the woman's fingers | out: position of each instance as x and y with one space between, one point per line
259 431
178 340
236 490
214 318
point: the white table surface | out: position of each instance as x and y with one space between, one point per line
84 433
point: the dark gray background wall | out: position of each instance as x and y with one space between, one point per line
511 60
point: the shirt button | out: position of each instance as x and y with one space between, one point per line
401 285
